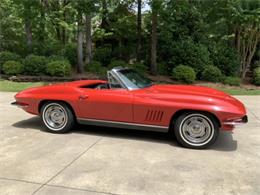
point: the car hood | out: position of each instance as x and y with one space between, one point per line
188 90
191 95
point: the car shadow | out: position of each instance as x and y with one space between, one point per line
224 142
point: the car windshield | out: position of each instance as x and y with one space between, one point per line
133 79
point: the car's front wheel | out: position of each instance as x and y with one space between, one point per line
57 117
196 130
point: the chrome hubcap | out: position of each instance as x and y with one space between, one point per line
197 129
55 117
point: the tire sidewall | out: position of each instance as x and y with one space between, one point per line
178 131
70 117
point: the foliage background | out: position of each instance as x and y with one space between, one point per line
150 35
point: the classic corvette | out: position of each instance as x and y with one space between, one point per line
195 114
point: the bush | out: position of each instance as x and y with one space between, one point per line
46 48
12 68
184 73
70 53
103 55
191 54
212 74
163 69
59 68
8 56
35 65
56 58
225 58
256 76
96 67
140 67
233 81
116 63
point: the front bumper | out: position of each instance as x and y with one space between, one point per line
20 104
236 121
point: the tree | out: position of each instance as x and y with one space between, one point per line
89 10
242 19
155 5
28 13
139 29
88 57
80 63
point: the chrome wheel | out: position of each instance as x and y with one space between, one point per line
55 116
196 129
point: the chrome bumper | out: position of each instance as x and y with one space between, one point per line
238 121
20 105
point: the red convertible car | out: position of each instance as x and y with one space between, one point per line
195 114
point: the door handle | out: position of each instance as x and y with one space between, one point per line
83 97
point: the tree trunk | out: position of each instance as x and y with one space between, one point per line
104 19
28 32
247 51
120 43
88 57
139 30
44 4
154 43
80 64
63 30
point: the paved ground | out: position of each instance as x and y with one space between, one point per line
94 160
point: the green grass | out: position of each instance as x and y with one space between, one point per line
19 86
241 91
10 86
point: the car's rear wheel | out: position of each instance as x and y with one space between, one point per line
57 117
196 130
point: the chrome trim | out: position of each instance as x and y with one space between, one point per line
125 125
18 105
238 121
233 123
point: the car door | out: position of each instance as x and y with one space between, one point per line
106 104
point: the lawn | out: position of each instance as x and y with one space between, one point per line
18 86
10 86
241 91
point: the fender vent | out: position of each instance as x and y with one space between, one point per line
154 115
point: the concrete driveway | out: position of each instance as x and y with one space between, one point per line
93 160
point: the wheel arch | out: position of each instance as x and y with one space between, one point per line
180 112
42 102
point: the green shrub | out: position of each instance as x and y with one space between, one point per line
56 58
225 58
103 55
116 63
163 69
70 53
8 56
46 48
212 74
233 81
59 68
184 73
191 54
256 76
12 68
96 67
140 67
35 65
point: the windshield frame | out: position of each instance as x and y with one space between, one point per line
125 81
